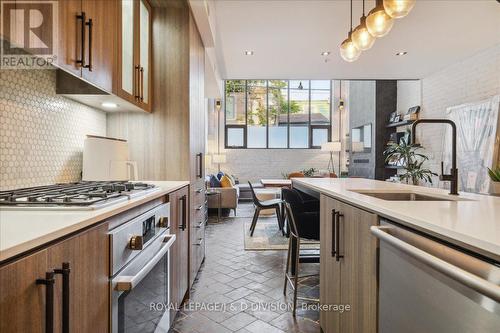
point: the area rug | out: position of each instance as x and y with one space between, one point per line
266 236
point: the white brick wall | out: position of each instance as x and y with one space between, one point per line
469 80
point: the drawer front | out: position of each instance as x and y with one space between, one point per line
198 194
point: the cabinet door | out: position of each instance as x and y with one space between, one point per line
22 301
144 56
358 269
88 256
100 32
69 36
179 260
127 75
329 279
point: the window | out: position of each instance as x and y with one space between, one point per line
277 113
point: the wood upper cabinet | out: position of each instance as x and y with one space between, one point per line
179 252
133 75
23 301
348 268
86 40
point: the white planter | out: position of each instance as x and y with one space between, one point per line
495 188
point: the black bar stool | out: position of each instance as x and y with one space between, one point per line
302 225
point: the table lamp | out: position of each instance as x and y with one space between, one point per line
219 159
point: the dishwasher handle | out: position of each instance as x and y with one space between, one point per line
480 285
126 283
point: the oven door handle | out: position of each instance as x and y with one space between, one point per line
126 283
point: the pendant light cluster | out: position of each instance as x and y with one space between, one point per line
377 24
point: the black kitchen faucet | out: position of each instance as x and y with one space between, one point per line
453 176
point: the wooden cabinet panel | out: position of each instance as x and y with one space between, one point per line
100 52
134 52
329 270
69 36
22 301
358 269
179 253
352 279
88 256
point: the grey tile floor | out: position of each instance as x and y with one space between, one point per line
242 291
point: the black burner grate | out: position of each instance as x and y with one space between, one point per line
70 194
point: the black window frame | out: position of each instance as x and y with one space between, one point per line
311 126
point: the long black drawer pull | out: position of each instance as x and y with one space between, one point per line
81 61
90 25
333 232
64 271
338 215
183 209
49 300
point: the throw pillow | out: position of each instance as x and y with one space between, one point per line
214 182
231 178
219 175
225 181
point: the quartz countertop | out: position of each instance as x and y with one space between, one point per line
471 221
24 230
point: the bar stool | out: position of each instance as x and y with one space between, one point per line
306 228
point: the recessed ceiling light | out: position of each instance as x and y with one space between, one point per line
248 52
110 105
402 53
325 53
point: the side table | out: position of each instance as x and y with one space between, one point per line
219 201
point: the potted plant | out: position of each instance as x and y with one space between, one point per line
495 180
406 156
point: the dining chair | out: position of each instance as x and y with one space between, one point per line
265 204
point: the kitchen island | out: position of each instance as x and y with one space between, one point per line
389 251
471 221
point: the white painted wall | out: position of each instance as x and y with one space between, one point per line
469 80
409 94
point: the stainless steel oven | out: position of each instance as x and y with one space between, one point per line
140 284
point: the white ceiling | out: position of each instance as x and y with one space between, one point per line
288 37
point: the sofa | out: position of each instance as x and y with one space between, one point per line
228 196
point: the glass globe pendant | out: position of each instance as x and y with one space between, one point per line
348 50
398 8
378 22
360 35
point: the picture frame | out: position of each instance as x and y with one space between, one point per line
392 116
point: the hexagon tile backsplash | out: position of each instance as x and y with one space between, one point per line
41 133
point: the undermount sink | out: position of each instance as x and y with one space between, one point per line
405 196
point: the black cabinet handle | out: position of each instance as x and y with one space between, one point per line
90 25
81 61
338 215
137 83
333 232
64 271
200 165
183 209
49 300
141 85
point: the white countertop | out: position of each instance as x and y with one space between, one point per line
473 224
23 230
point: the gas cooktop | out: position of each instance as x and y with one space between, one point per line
74 196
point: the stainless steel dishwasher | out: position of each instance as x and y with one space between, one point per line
427 286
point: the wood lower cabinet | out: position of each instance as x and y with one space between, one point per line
348 268
23 301
179 252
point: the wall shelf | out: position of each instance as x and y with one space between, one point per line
400 123
394 167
